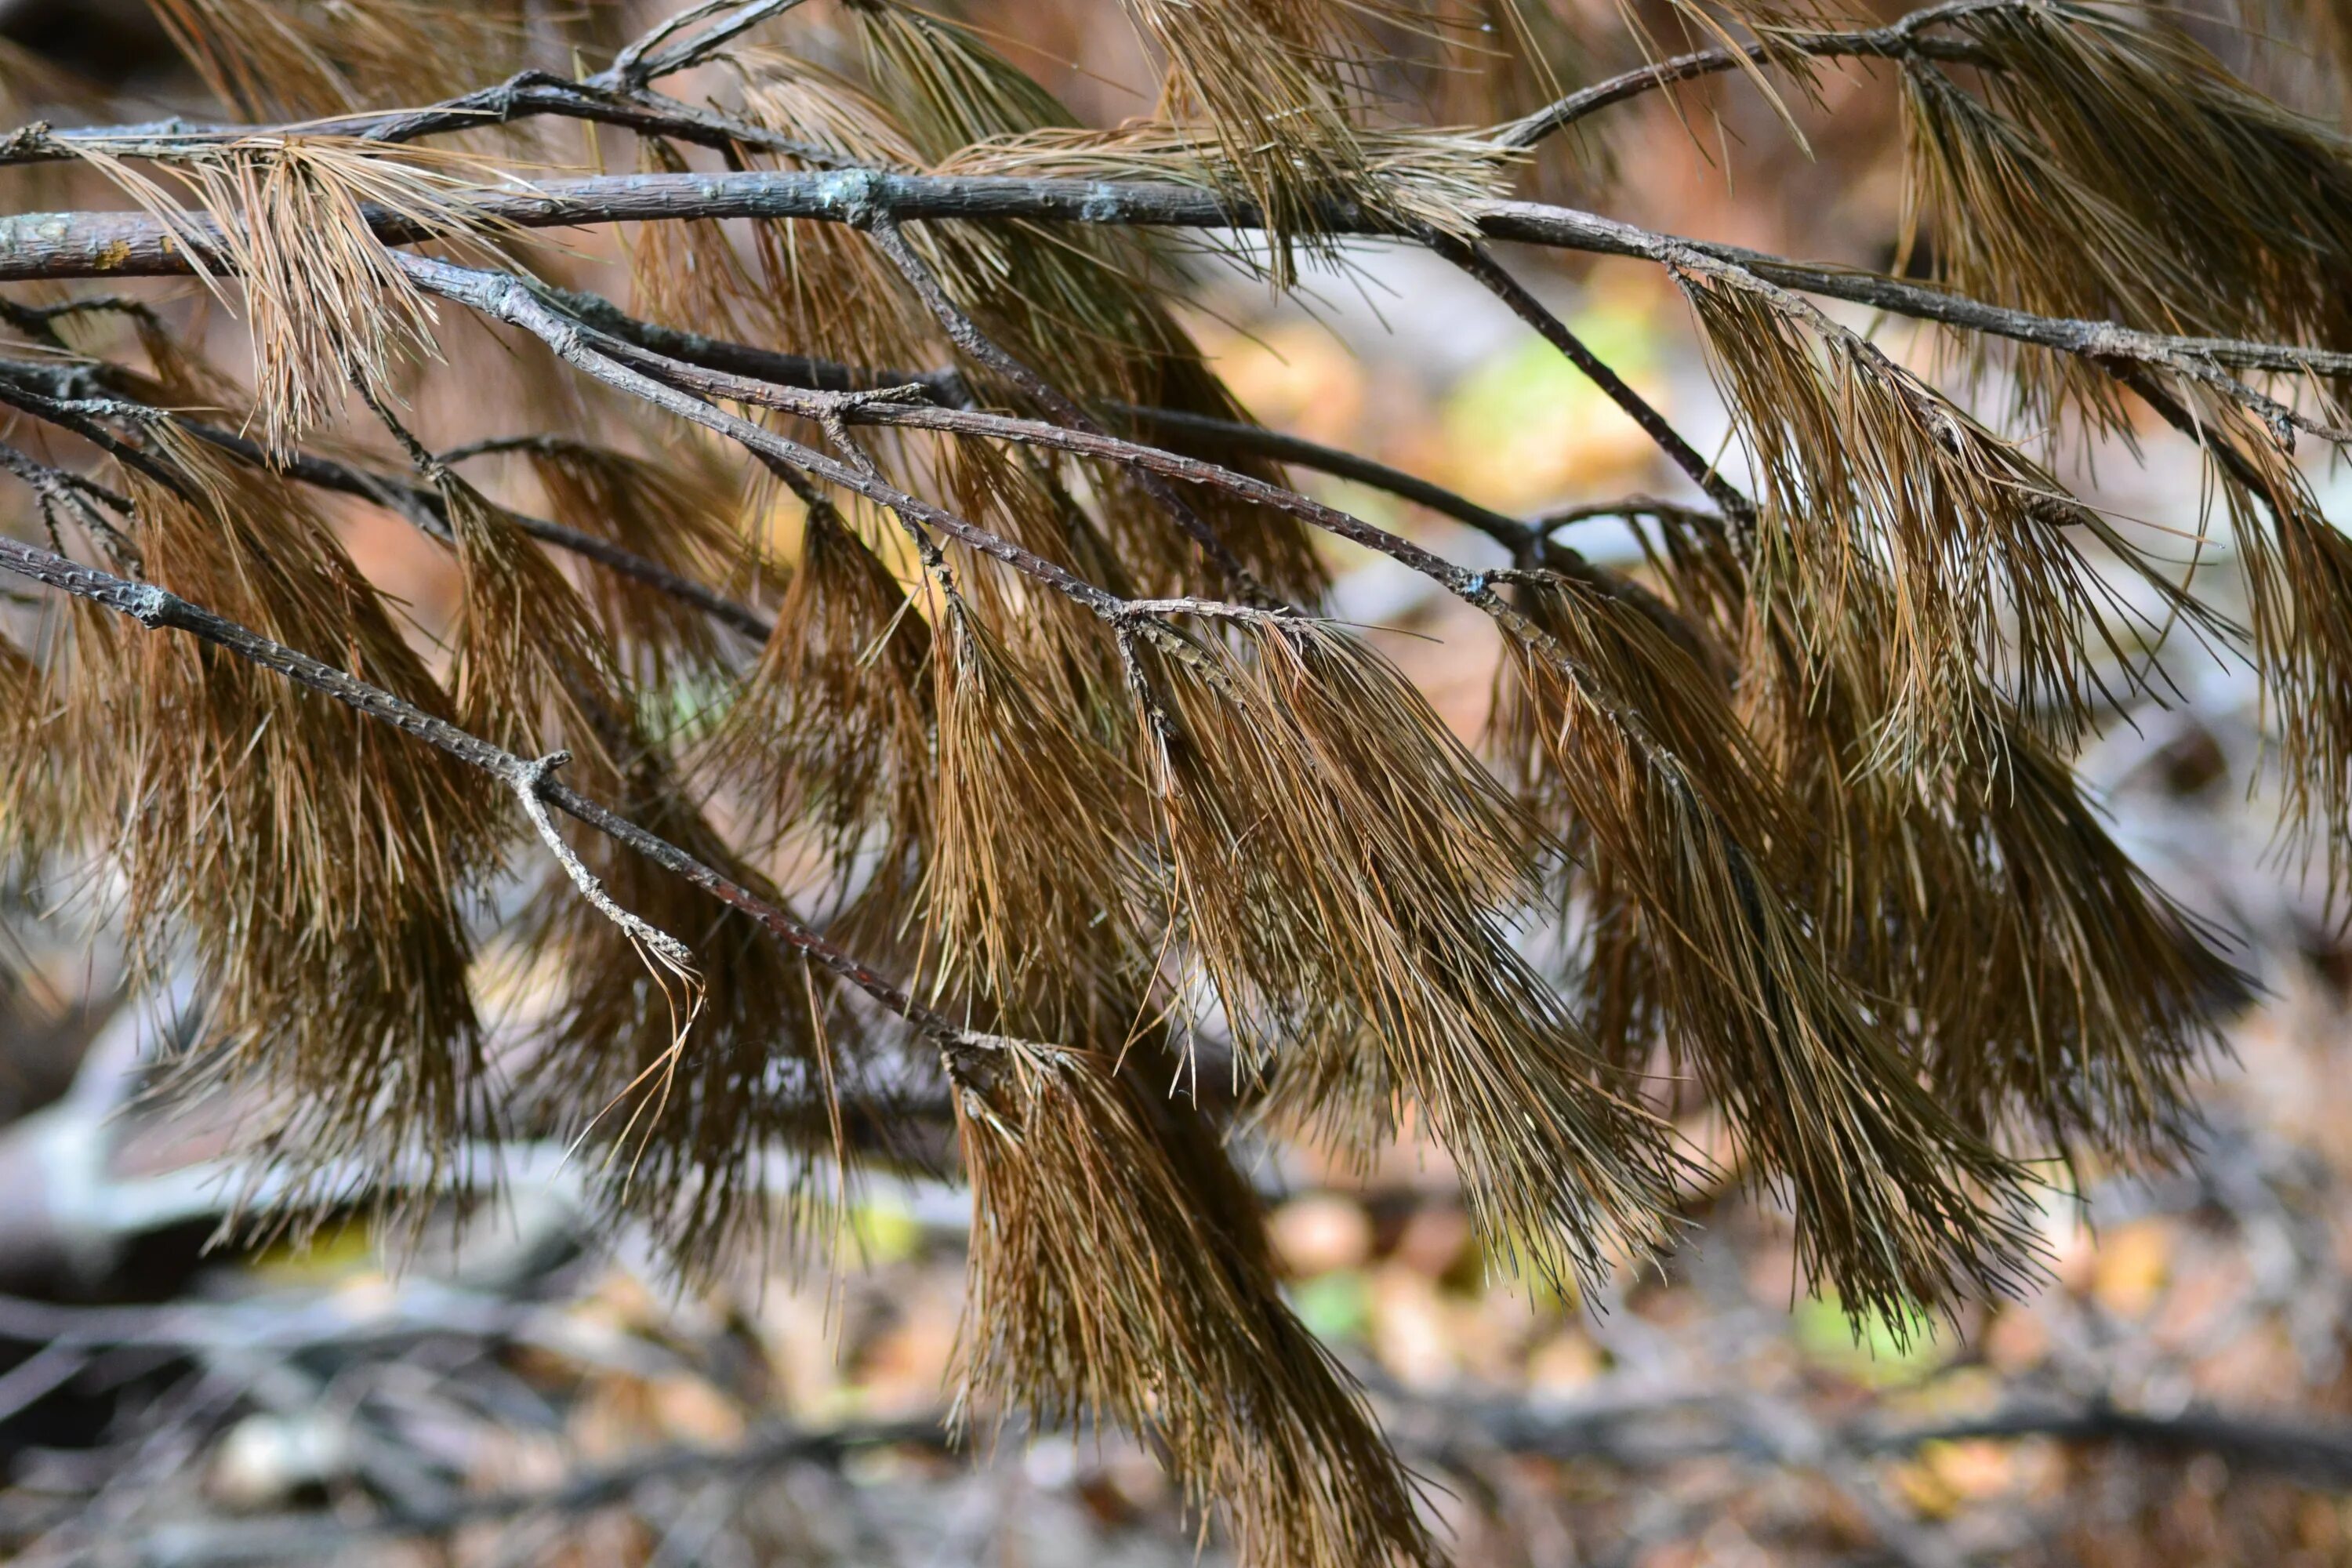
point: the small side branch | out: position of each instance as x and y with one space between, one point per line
528 782
1297 451
648 60
1897 40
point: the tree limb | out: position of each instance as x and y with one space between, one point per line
38 246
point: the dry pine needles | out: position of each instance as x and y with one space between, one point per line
1120 849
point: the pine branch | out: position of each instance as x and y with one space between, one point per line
1099 808
425 507
57 246
621 96
781 376
527 95
661 381
947 388
1298 452
506 299
420 504
159 609
655 55
509 300
1944 1240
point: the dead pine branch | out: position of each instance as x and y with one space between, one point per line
939 658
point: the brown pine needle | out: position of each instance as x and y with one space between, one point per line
1347 875
326 304
1101 1282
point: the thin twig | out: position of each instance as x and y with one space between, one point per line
1474 261
421 504
965 333
619 96
505 298
530 784
640 63
425 506
1897 40
1232 435
489 290
945 386
1625 506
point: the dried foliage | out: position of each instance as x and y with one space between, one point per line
1895 1201
832 728
1113 1275
1880 494
317 868
1273 78
531 668
317 58
690 1093
2298 572
289 221
1346 872
678 514
2085 999
1067 299
1777 838
29 809
1029 896
2115 171
2062 1003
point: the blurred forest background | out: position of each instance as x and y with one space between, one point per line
2180 1393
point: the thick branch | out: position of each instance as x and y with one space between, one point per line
98 245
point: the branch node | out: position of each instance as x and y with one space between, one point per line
150 605
856 194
